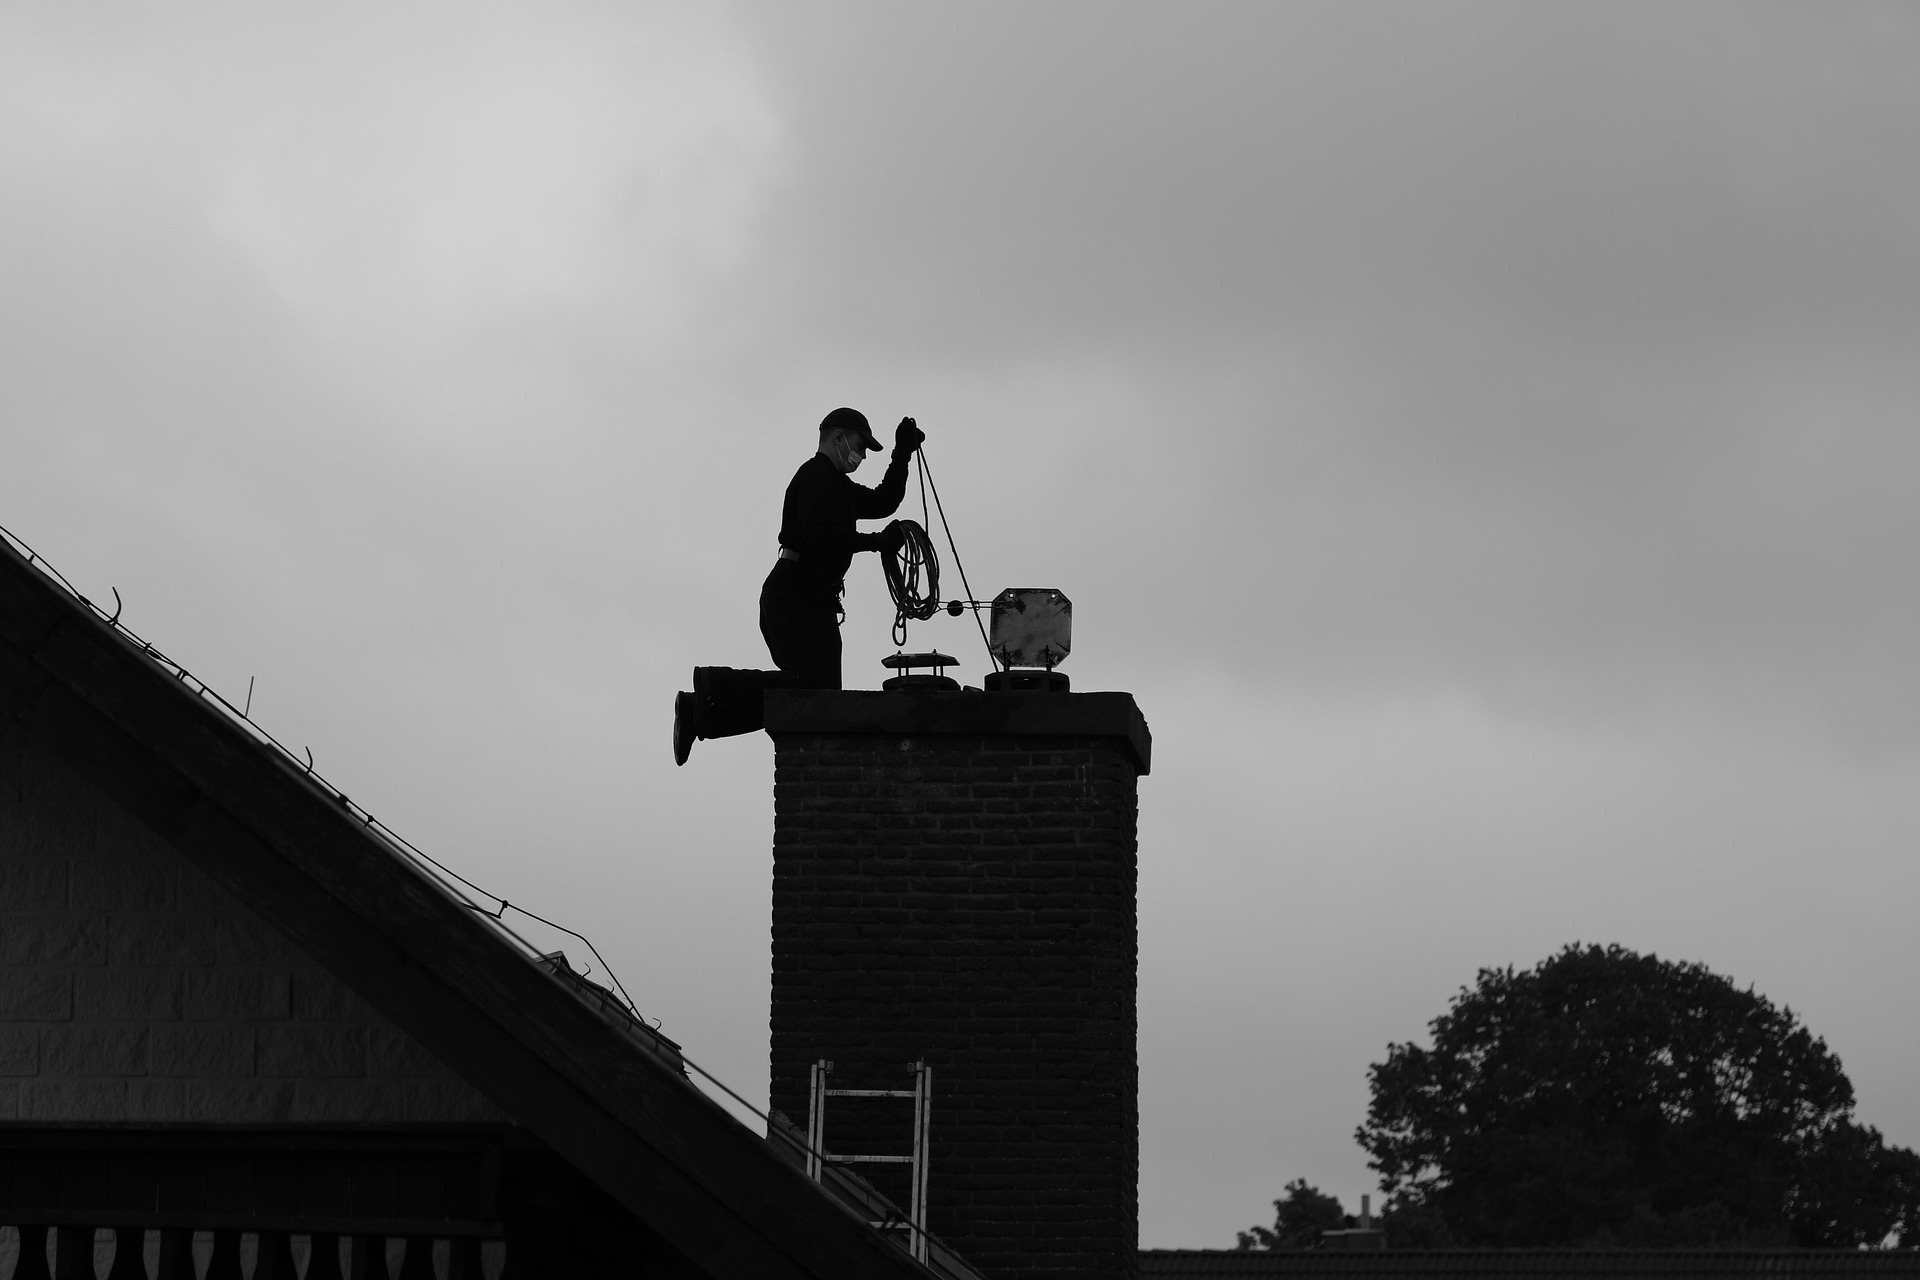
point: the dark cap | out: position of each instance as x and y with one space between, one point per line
851 420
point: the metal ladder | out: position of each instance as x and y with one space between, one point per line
818 1157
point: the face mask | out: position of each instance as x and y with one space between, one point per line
852 453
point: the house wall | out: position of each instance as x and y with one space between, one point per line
134 989
969 899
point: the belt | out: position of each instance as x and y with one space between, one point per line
788 553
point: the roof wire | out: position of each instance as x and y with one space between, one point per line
393 838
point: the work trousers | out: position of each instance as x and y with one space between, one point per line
801 626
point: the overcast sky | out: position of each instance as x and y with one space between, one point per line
1483 438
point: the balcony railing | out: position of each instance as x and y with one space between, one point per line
80 1251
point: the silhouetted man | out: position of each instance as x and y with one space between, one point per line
800 600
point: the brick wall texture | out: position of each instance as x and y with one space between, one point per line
134 989
969 900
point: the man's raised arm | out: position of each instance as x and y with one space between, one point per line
884 498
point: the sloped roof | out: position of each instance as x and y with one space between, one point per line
608 1100
1511 1264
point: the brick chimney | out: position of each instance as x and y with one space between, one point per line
954 882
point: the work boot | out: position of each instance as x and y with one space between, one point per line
686 713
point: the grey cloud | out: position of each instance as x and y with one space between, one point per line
1632 170
1481 435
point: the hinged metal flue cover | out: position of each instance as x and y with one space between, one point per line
1032 627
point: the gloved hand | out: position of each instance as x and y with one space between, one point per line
891 539
907 437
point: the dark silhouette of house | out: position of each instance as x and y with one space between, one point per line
229 1003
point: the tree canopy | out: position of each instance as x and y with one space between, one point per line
1605 1097
1299 1218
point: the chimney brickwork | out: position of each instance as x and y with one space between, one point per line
954 882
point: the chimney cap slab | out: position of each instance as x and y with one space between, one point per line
923 713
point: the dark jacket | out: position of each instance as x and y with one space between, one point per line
817 519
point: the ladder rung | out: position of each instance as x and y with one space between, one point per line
869 1159
870 1093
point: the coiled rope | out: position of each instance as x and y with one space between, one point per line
904 570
